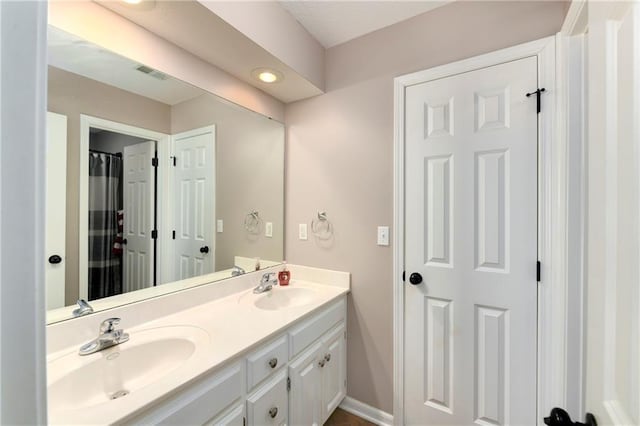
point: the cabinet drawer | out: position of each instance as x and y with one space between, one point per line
310 330
200 403
266 360
269 404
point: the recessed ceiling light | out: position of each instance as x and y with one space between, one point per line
132 1
267 75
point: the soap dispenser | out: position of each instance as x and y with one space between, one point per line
284 276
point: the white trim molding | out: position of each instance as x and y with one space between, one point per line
552 221
367 412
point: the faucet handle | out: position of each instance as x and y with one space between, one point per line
108 325
268 277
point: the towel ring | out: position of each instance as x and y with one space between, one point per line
252 222
322 227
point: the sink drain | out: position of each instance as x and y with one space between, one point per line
119 394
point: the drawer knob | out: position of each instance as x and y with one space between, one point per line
273 362
321 363
273 412
327 357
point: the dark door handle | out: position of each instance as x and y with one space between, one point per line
559 417
124 241
415 278
55 259
204 249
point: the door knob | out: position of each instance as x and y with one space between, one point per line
273 412
55 259
415 278
204 249
559 417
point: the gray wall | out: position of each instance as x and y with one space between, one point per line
340 158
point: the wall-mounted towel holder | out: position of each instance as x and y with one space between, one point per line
321 226
252 222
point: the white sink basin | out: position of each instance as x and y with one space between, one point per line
284 297
80 382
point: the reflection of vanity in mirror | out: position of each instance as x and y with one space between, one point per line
153 185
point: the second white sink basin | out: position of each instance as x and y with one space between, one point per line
284 297
80 382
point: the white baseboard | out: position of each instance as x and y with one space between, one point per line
366 411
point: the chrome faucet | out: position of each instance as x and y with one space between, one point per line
236 270
108 337
267 282
84 308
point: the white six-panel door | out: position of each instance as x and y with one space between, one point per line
139 193
471 232
194 183
56 203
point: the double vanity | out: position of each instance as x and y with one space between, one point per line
217 354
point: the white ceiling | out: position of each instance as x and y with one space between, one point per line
72 54
335 22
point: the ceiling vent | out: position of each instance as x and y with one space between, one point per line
151 72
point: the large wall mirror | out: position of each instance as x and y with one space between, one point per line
153 185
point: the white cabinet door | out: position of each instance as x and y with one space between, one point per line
194 183
306 382
334 371
234 417
269 405
471 232
139 215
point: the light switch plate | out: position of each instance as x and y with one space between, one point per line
219 226
268 229
383 235
302 231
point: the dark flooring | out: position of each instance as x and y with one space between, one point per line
342 418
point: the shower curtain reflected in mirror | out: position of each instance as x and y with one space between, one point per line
105 200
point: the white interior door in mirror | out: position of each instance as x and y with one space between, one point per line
194 183
139 214
471 232
56 201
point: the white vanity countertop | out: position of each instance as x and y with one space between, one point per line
233 324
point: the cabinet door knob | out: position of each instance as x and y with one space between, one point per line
321 363
273 362
273 412
327 357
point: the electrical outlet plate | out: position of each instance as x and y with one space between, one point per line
219 226
302 231
268 229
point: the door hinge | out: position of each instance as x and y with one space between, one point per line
173 234
244 421
154 162
403 279
538 94
538 271
154 234
288 384
174 159
345 334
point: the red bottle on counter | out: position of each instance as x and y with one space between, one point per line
284 276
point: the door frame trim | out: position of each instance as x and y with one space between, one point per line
552 218
162 148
